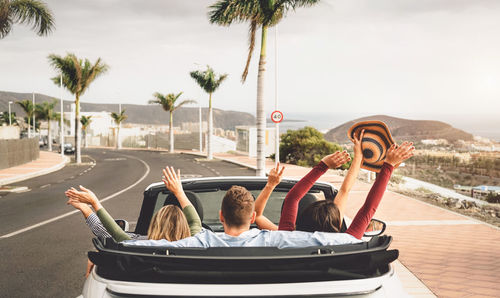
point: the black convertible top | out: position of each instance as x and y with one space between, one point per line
229 265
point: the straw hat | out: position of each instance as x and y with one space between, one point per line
375 143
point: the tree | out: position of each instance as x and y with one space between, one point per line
118 118
263 13
167 102
208 81
45 111
4 118
28 12
85 121
27 106
305 147
77 74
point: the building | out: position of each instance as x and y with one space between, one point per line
246 140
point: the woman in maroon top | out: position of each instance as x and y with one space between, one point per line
326 216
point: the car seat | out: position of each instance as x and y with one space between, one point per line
193 198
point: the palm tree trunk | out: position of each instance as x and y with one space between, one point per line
29 125
78 131
261 120
210 128
84 137
171 132
49 135
118 144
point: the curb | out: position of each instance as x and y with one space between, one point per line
18 178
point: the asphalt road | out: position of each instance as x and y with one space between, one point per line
49 260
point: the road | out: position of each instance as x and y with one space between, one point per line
44 254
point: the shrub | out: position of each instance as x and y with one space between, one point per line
493 198
305 147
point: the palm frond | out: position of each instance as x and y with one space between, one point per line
251 45
32 12
184 102
119 117
225 12
208 80
27 106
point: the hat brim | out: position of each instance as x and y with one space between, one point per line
377 139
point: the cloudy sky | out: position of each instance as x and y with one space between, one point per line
411 58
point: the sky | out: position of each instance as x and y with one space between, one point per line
407 58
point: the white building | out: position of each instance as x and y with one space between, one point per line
246 140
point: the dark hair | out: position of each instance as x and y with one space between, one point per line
321 216
237 206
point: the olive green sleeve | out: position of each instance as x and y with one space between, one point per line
111 226
193 219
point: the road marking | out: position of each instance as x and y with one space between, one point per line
76 211
46 185
431 223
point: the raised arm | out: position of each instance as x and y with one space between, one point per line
86 196
273 180
395 155
292 199
91 218
352 175
173 183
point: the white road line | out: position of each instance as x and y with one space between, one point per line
46 185
431 223
76 211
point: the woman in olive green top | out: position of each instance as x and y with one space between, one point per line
168 223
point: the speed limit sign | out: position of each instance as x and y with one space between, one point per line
277 116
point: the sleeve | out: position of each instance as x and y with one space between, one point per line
95 225
193 219
111 226
292 199
366 212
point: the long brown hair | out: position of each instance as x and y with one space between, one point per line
321 216
168 223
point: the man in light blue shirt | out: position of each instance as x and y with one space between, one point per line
236 215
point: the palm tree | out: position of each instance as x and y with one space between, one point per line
118 118
29 12
4 118
45 111
167 102
263 13
77 74
27 106
85 121
208 81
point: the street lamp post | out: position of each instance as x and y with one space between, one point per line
277 125
61 137
34 123
10 118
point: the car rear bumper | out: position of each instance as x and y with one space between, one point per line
387 285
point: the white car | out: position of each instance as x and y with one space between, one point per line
354 270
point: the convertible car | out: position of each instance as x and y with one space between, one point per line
354 270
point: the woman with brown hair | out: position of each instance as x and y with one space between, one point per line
170 222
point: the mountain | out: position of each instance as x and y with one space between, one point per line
404 129
141 114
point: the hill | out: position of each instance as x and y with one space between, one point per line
404 129
141 114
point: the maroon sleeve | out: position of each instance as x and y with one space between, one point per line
366 212
292 199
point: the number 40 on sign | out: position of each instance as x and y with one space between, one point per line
276 116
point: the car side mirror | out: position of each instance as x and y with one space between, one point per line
375 228
123 224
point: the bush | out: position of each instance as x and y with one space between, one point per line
305 147
493 198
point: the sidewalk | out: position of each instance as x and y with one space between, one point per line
47 162
453 255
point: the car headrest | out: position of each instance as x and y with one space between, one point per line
193 198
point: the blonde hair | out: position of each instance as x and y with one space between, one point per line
168 223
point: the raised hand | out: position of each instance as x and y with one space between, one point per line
83 195
397 154
275 175
172 180
358 152
336 159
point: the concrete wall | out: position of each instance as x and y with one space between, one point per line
9 132
17 152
